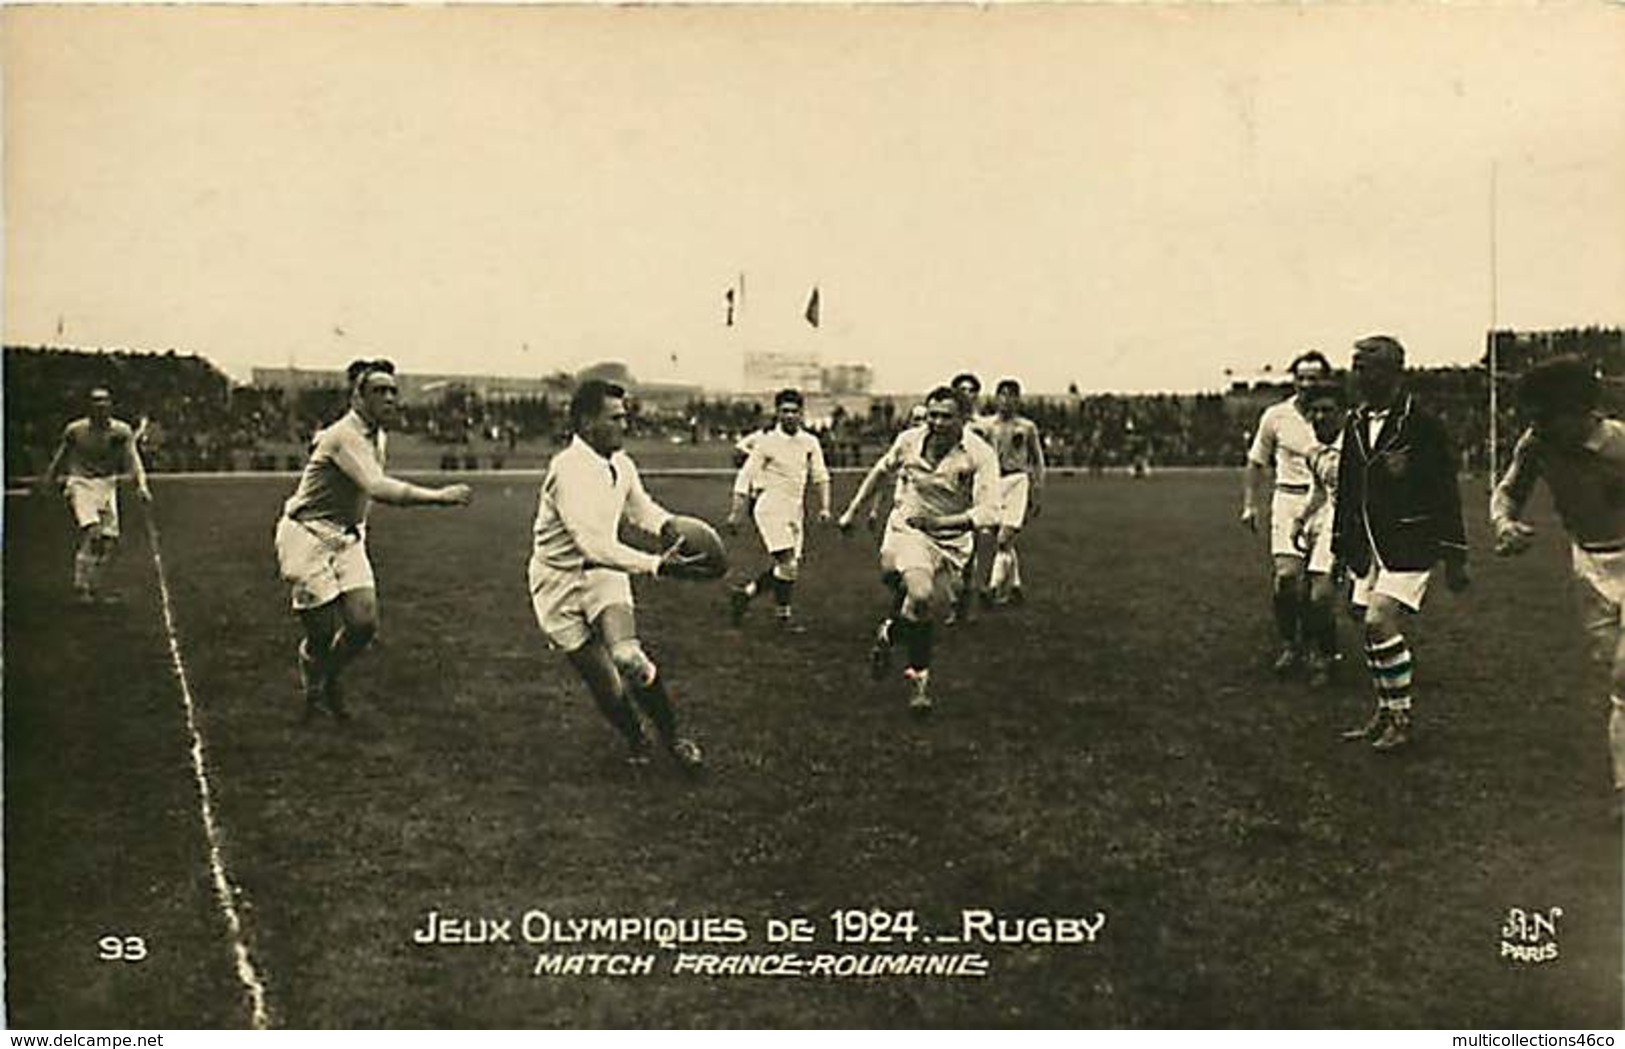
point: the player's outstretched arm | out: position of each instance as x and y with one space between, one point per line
53 473
1252 487
138 471
819 471
865 492
396 492
1035 497
736 511
364 470
1512 492
740 496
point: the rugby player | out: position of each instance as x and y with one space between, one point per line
1398 514
949 487
321 538
1283 442
1020 450
1311 530
1581 456
781 462
96 452
978 569
579 575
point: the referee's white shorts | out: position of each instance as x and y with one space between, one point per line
94 501
1408 588
568 601
319 561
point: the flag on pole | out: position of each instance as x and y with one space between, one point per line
728 297
812 307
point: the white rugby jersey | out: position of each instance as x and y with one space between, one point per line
965 479
780 465
345 458
579 512
1284 441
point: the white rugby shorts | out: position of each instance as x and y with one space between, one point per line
320 561
1013 492
1602 579
568 601
94 501
907 549
778 521
1285 508
1315 540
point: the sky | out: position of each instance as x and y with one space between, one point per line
1125 197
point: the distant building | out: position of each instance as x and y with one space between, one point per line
842 379
765 372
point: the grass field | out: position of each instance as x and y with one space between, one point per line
1115 746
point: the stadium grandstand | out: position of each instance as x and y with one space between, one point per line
192 417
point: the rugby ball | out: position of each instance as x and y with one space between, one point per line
700 538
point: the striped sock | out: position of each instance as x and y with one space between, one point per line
1390 665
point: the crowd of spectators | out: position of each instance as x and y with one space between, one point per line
192 417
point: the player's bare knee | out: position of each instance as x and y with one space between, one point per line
1007 537
1382 622
632 662
786 567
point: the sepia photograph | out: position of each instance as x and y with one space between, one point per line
814 516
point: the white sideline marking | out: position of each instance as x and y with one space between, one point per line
225 891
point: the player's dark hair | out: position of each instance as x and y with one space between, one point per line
1010 386
1328 387
1381 344
359 369
1562 384
788 396
967 379
1321 364
948 393
588 401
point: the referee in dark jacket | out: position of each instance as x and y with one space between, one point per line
1398 514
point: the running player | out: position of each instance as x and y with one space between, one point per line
580 585
949 487
96 452
1016 441
321 538
781 462
1581 456
978 569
